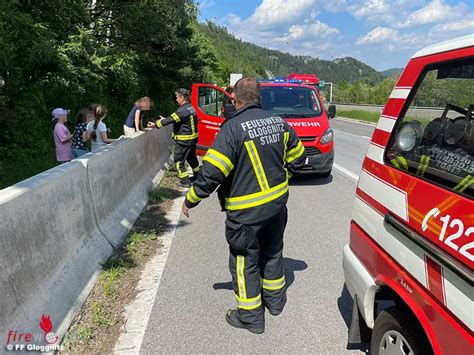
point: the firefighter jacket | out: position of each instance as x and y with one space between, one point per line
251 159
185 129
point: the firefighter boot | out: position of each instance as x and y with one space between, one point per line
232 317
185 182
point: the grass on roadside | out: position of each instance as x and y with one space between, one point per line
167 189
359 115
98 325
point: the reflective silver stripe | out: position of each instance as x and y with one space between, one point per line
273 284
257 199
219 160
240 269
249 303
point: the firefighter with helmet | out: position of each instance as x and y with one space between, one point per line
250 161
185 134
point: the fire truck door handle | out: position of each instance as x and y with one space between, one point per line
399 230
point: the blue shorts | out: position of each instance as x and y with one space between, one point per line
76 153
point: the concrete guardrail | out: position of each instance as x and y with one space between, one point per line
416 112
58 227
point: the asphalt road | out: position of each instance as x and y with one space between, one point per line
195 289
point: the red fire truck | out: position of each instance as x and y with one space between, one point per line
409 264
307 79
299 104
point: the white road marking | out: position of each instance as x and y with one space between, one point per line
353 176
351 134
137 313
351 120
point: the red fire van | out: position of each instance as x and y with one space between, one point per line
299 104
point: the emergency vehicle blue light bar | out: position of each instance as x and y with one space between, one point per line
280 80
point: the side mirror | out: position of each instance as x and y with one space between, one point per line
331 111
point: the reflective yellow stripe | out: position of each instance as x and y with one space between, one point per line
256 199
219 160
404 162
257 165
191 120
295 153
158 124
196 170
286 138
175 117
273 285
240 267
249 303
425 159
400 163
185 137
181 174
192 197
464 184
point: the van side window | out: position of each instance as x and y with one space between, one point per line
210 100
435 139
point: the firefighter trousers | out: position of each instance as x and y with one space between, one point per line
256 265
182 154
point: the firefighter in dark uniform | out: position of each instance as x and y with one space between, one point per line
251 161
185 134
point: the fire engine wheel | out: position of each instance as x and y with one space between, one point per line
396 333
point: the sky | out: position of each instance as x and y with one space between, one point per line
381 33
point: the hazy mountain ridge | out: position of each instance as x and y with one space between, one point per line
250 59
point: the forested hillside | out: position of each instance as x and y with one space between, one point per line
69 54
250 59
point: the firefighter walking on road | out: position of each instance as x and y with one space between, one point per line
250 161
185 134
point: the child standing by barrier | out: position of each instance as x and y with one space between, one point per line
78 144
62 136
97 130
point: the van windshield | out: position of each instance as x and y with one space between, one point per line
290 101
